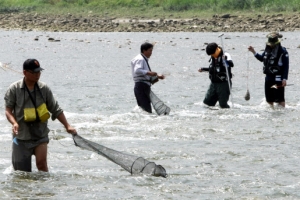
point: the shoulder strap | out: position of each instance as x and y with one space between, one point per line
33 100
146 62
31 97
38 88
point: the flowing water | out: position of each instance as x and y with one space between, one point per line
247 152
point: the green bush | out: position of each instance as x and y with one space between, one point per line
166 5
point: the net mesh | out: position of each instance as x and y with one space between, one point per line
132 164
159 106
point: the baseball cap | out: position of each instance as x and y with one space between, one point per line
33 65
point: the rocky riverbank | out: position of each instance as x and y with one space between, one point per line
216 23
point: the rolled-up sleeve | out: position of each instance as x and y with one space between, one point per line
52 104
10 97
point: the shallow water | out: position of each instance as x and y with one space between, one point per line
247 152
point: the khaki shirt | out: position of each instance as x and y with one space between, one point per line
17 98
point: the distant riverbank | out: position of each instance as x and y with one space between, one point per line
94 23
150 16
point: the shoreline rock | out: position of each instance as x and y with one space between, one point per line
222 23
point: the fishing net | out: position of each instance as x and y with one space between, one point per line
6 66
132 164
159 106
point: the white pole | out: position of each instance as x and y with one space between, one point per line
226 67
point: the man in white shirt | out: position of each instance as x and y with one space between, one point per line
144 77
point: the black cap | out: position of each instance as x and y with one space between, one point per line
33 65
211 48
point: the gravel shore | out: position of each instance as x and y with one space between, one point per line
216 23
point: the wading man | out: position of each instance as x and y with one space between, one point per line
143 77
219 87
28 103
275 59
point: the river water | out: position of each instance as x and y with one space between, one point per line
247 152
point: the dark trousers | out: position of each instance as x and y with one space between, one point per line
217 92
272 94
21 157
22 151
142 95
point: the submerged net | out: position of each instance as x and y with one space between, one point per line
131 163
159 106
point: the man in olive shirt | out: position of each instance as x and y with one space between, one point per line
23 102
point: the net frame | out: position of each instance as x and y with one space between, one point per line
131 163
158 105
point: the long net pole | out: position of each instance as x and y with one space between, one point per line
226 67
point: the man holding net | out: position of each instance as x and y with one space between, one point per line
28 103
276 67
143 77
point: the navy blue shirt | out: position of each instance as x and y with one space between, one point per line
283 62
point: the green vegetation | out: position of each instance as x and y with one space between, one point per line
149 8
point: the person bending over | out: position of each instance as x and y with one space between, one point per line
219 87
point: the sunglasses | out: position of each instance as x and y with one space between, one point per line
32 72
